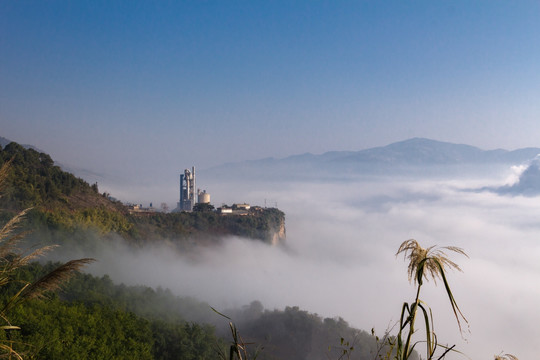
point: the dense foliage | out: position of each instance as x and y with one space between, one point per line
34 179
95 319
297 334
258 225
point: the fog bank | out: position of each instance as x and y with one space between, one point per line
339 259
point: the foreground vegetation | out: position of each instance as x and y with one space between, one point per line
92 318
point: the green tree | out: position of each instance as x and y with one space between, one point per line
203 207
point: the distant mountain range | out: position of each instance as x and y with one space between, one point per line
425 151
417 151
413 155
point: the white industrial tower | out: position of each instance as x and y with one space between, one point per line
187 190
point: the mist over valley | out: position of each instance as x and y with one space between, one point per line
343 232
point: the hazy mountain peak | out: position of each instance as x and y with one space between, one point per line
415 154
425 142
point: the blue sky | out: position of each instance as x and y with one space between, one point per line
130 86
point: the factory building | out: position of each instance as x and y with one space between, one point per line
187 192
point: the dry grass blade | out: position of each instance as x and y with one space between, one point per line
54 279
5 319
10 353
506 357
12 224
18 260
238 348
48 282
35 254
9 246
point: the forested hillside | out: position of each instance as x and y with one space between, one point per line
95 319
92 318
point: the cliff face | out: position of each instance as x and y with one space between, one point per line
267 225
272 222
278 234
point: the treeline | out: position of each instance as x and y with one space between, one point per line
293 333
93 318
185 230
258 225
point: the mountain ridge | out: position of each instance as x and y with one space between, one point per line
409 156
418 146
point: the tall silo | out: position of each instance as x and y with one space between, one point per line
203 197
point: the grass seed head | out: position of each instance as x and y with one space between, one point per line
427 262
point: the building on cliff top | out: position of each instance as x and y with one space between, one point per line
187 192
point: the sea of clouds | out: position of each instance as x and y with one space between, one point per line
339 258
